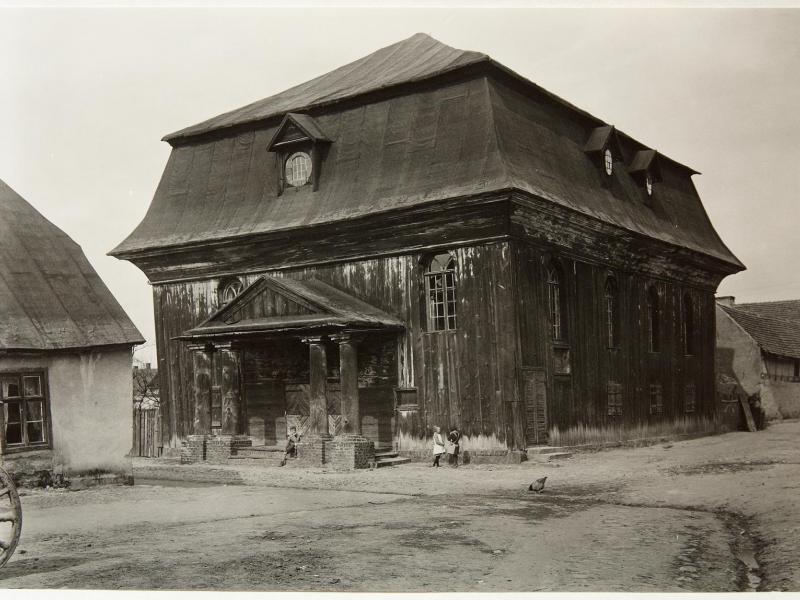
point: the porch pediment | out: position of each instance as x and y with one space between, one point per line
273 306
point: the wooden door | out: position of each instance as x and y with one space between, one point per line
535 391
265 403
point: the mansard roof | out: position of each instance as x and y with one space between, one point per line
483 132
50 296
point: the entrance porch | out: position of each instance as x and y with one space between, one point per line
296 354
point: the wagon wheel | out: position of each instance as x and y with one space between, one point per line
10 517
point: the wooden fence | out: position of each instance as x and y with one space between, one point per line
146 432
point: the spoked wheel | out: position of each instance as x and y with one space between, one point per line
10 517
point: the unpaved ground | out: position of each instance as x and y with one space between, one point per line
668 518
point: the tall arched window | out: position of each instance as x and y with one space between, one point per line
555 300
612 312
653 319
688 325
440 284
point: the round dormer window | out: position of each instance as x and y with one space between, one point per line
608 160
648 184
298 169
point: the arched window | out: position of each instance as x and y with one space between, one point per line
555 300
298 169
440 284
229 289
688 325
653 319
612 312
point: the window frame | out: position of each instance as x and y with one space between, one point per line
614 399
656 398
688 325
608 161
611 296
690 398
445 281
555 304
225 285
310 164
43 397
653 319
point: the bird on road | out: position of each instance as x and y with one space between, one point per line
537 486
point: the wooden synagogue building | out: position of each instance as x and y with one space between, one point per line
423 237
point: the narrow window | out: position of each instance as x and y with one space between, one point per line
653 319
614 399
656 401
555 303
25 409
440 283
612 308
608 161
688 325
690 398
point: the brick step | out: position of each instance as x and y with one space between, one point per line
391 461
261 461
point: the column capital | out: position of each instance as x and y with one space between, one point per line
200 347
343 338
313 339
224 346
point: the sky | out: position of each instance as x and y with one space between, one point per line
87 93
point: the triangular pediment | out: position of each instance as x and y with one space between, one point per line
297 128
266 298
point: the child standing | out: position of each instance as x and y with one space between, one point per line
438 446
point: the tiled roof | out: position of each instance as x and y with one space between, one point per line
775 328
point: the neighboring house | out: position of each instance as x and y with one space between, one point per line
758 349
66 351
424 237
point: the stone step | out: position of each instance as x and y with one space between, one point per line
391 462
545 449
260 452
258 460
385 454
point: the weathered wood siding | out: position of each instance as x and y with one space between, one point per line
465 377
581 398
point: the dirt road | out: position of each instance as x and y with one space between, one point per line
672 517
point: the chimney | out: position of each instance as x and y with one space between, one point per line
728 301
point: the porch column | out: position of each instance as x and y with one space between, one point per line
201 366
318 388
230 389
348 378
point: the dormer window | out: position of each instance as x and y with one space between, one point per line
603 148
646 170
297 169
298 145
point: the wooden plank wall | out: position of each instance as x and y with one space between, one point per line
464 378
581 397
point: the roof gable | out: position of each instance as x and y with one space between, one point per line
297 128
276 305
50 296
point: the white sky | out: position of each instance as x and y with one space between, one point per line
87 93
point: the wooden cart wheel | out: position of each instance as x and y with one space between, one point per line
10 517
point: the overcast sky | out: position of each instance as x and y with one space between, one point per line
88 93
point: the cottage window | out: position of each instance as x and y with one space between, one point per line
25 409
612 310
656 400
690 398
688 325
440 283
648 184
653 314
608 161
298 169
555 300
231 289
614 399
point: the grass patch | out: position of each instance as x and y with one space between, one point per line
580 435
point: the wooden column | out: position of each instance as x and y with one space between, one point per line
230 389
318 392
348 378
201 363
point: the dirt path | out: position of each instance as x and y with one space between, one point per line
663 518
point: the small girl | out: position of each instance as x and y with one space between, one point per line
438 446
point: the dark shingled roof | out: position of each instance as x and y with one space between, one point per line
458 138
775 326
50 296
